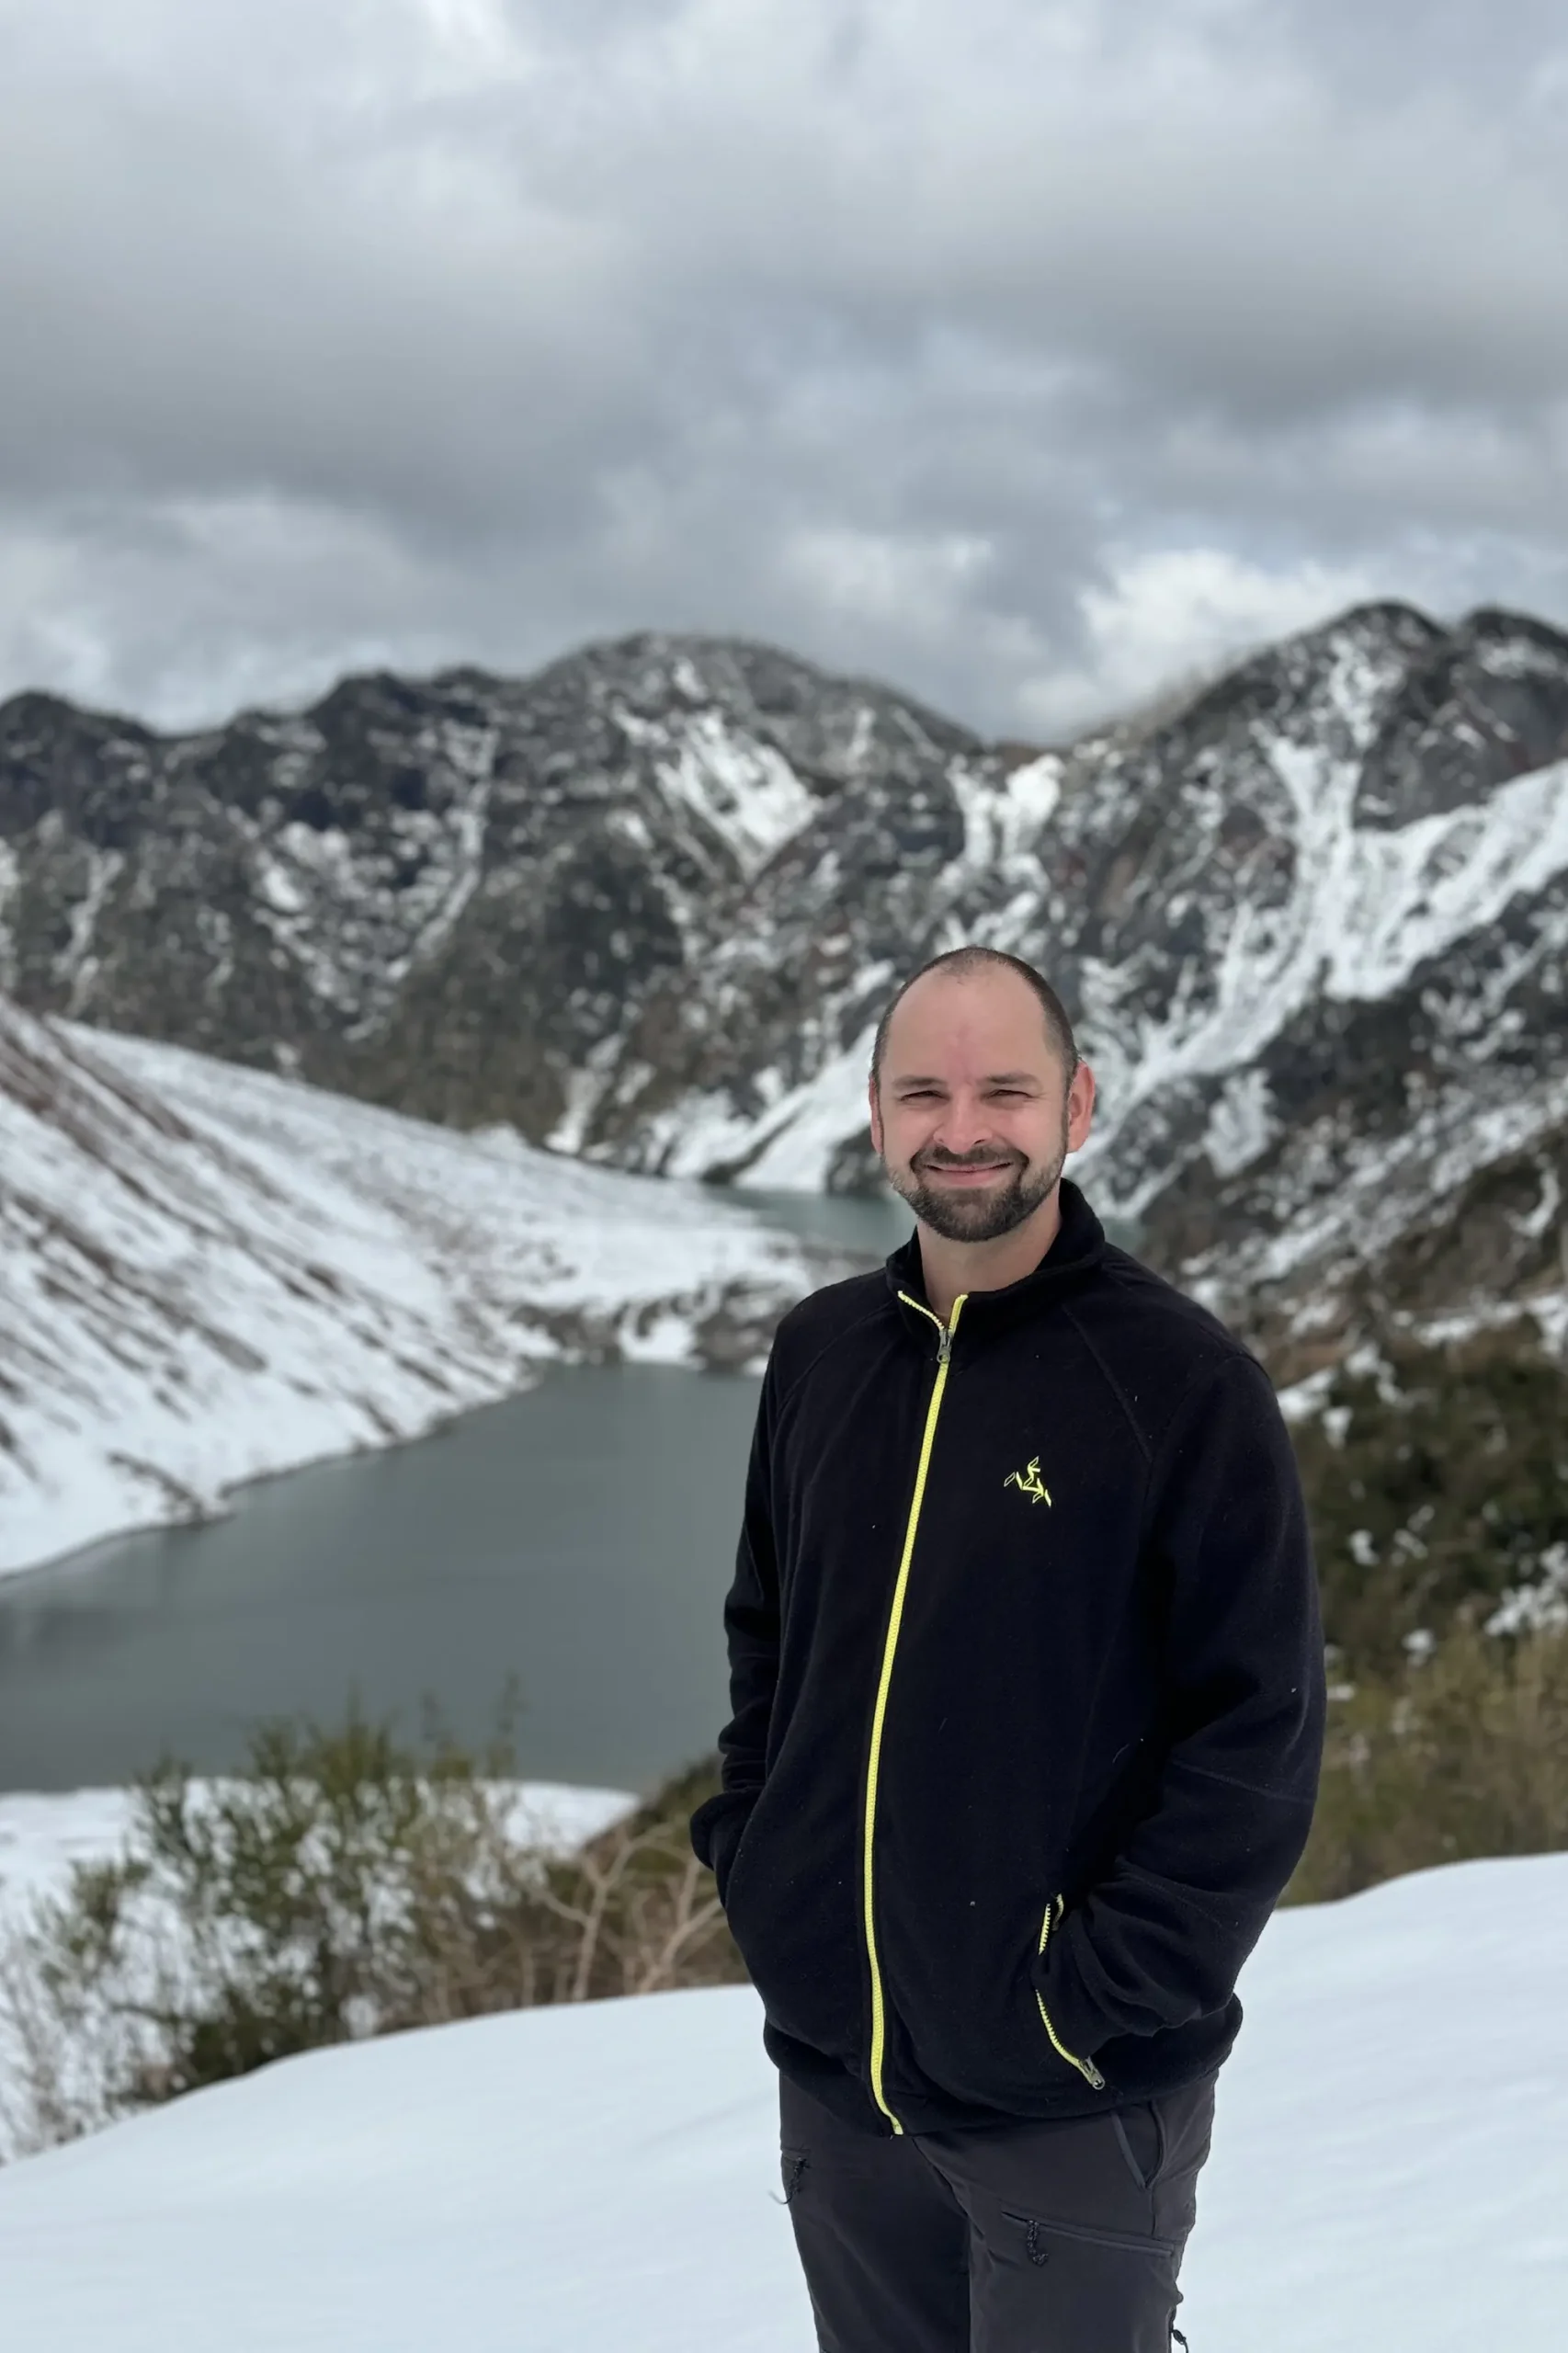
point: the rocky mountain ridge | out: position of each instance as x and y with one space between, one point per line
646 907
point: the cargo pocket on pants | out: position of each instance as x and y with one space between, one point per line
1038 2230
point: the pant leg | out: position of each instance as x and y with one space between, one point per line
882 2241
1076 2229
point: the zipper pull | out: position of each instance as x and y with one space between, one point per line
944 1345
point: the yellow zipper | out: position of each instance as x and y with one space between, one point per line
944 1356
1087 2067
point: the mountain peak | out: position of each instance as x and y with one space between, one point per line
647 903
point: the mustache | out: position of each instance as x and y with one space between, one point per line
984 1157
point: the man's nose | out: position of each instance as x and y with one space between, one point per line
964 1123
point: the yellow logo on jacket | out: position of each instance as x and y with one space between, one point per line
1028 1483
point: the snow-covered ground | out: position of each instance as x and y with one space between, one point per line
208 1274
1390 2171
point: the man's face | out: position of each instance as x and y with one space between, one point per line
972 1114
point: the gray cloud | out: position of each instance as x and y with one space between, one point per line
1020 351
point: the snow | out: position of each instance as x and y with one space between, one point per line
792 1145
1241 1122
209 1273
747 793
1516 657
812 1120
1540 1607
1361 677
1368 905
583 1089
1406 894
1004 816
76 961
1382 1185
1389 2172
43 1837
741 791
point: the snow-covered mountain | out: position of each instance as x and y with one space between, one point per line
646 906
1388 2170
208 1273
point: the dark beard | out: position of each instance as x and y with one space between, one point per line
979 1217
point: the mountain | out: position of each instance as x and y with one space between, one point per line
646 906
208 1272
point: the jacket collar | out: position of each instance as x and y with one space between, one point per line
1077 1250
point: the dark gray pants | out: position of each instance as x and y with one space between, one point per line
1008 2238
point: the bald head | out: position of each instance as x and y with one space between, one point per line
985 963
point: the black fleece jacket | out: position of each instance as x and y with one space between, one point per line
1027 1690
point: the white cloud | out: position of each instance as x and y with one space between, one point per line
908 582
1172 612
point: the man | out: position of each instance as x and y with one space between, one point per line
1027 1692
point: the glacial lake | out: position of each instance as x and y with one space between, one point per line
578 1539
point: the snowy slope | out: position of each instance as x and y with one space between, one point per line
1390 2171
207 1273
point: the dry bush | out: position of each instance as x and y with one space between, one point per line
1463 1754
633 1911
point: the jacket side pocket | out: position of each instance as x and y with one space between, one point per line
1087 2067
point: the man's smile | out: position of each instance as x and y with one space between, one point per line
976 1173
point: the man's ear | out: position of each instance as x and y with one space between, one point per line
874 1100
1080 1107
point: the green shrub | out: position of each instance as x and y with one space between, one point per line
1437 1478
343 1886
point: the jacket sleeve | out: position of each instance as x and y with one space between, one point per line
1161 1940
750 1632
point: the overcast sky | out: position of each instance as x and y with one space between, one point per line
1023 353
